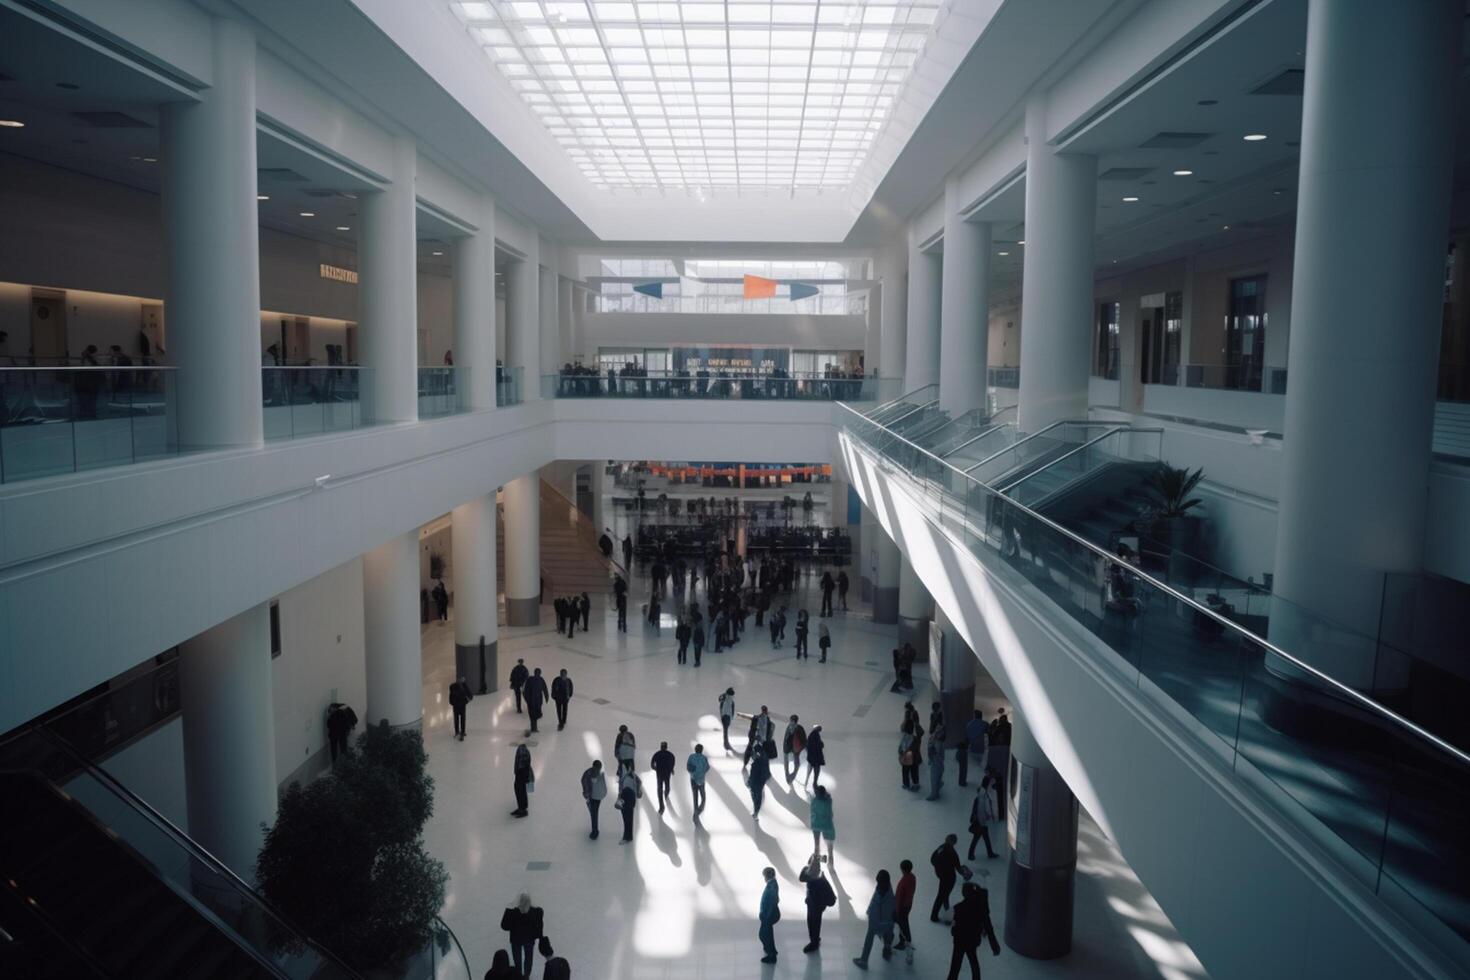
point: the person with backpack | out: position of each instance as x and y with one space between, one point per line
824 642
698 768
946 863
880 920
819 898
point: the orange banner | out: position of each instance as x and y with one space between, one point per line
757 287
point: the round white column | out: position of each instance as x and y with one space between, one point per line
523 551
390 585
211 229
474 311
522 309
1367 303
921 354
476 612
893 299
915 608
387 254
230 737
886 563
566 327
1056 292
599 512
550 333
956 681
964 328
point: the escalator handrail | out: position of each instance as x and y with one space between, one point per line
990 430
1351 694
1025 439
457 945
172 831
916 408
1007 490
894 401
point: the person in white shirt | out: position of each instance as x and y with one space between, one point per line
594 791
698 767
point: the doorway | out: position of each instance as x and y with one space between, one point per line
48 328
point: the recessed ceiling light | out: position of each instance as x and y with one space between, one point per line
1226 228
1277 191
1253 137
1129 200
150 159
1183 173
1002 253
308 214
1021 242
438 253
344 228
12 124
262 197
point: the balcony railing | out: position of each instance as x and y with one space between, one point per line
745 387
508 389
308 401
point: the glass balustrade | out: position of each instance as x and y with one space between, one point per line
745 387
1383 794
308 401
64 419
1115 446
508 385
440 390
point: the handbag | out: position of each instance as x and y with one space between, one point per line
530 786
771 748
544 946
907 758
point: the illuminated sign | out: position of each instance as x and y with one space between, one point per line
337 273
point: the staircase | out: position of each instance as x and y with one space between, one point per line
571 562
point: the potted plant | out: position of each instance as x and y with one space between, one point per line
1171 523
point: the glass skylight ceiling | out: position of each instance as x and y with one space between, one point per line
747 95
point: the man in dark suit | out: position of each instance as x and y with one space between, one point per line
561 693
971 926
536 695
459 696
518 675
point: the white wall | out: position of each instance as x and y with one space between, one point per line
153 768
321 660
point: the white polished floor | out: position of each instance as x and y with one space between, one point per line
680 901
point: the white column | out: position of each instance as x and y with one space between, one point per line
579 326
893 263
1056 291
964 328
565 321
921 356
551 359
211 227
915 608
523 550
599 513
476 608
390 583
474 311
885 562
387 253
1367 304
522 309
955 679
229 737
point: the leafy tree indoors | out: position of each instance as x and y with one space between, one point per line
1172 486
345 861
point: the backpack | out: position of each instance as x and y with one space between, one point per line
825 894
934 859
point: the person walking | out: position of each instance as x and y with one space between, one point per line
770 914
816 755
525 923
821 821
621 601
793 741
663 771
696 634
971 926
459 696
946 863
828 585
698 768
936 762
525 780
824 642
904 904
908 756
819 898
982 815
630 791
760 774
727 713
683 633
594 791
584 605
880 920
624 748
975 743
802 629
518 676
842 585
536 695
561 693
500 968
628 552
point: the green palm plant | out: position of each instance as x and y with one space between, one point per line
1172 486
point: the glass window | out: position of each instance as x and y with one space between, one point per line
1105 361
1161 322
1245 333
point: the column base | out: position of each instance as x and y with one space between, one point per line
885 604
523 612
1039 910
481 673
914 631
865 588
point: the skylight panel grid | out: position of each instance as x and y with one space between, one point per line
755 95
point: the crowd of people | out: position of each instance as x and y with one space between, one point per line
633 380
734 589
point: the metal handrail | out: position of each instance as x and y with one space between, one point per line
1072 452
1350 693
916 408
90 367
977 437
879 408
169 829
457 945
1025 439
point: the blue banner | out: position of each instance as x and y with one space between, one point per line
800 290
654 289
